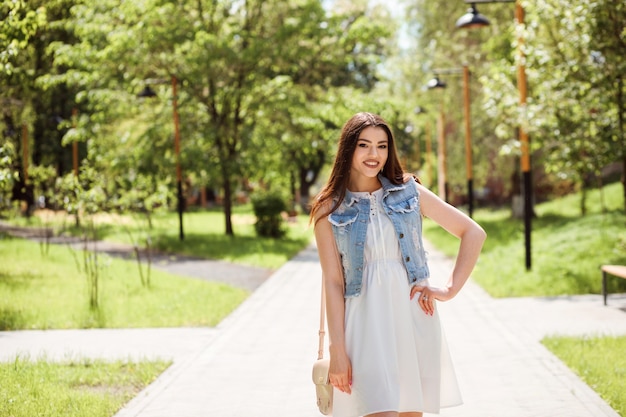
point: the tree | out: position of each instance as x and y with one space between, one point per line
608 37
577 61
44 111
235 63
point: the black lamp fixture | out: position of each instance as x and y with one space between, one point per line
435 83
472 19
147 92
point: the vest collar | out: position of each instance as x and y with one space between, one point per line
388 187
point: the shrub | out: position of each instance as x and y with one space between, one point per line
268 207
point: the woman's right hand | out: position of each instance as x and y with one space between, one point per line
340 371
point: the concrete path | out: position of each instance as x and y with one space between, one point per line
257 362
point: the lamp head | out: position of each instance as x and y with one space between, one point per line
472 19
435 83
147 92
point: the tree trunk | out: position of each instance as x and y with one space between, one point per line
228 201
308 176
305 186
621 108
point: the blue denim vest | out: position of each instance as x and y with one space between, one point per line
349 223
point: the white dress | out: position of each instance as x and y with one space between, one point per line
400 359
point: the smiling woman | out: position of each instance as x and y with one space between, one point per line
388 355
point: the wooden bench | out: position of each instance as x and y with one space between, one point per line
615 270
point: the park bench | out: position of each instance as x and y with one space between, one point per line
615 270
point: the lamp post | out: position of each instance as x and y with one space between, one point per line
25 154
474 19
437 83
428 158
74 144
148 92
442 180
429 154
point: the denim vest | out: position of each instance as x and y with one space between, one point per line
349 223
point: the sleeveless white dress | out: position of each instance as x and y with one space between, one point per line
400 359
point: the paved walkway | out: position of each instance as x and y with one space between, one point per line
257 362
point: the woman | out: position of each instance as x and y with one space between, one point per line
388 356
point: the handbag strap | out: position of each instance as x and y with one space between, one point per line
320 352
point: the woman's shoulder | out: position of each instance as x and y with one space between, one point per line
410 183
324 209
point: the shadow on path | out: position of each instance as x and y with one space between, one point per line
241 276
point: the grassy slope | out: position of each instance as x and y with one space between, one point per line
43 292
567 249
599 361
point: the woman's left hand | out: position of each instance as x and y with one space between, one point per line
427 296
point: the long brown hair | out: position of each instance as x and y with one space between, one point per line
337 184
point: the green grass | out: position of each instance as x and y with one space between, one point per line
599 361
205 237
48 292
204 230
567 249
77 389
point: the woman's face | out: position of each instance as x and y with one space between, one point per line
370 154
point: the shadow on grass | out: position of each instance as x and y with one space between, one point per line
11 319
502 231
224 247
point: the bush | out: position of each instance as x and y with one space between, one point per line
267 207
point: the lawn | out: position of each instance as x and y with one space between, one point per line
49 292
599 361
567 249
79 389
204 231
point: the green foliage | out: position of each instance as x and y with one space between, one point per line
267 207
241 69
575 59
573 53
78 388
7 174
264 86
18 24
599 361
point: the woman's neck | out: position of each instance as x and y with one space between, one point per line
364 185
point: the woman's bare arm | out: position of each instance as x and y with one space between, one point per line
472 237
340 367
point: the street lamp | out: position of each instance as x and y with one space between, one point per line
442 180
427 133
148 92
437 83
474 19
